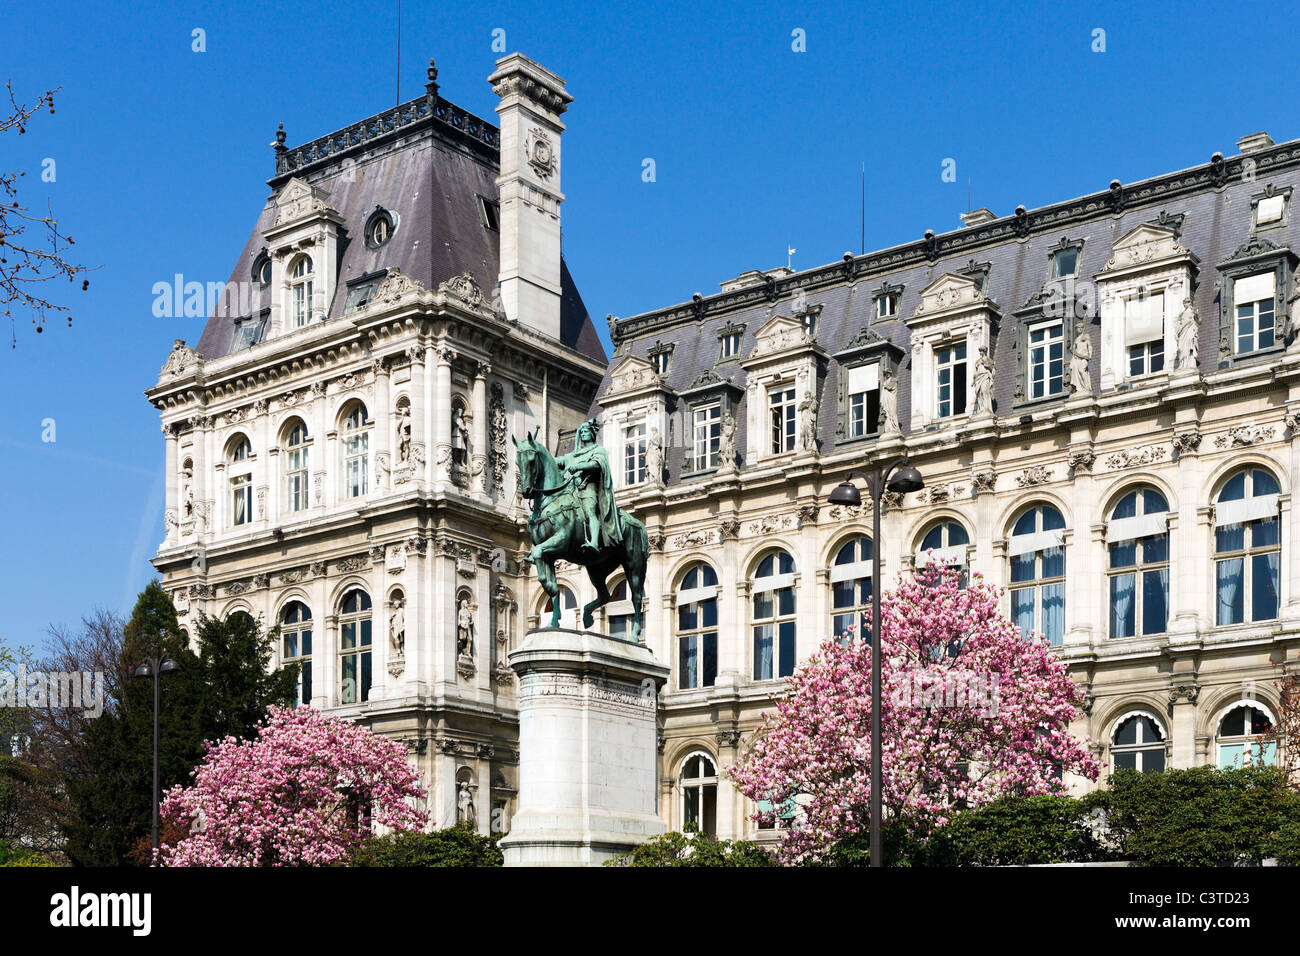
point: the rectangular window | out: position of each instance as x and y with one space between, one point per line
242 499
634 448
708 435
1144 334
783 408
1253 297
355 464
1065 263
660 362
887 305
774 633
296 462
1270 209
1046 361
730 345
489 211
864 399
297 650
356 669
697 644
950 380
809 322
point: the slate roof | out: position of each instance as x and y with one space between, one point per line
429 176
1215 200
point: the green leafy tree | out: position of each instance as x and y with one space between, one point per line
455 846
694 849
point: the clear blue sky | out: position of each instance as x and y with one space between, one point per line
162 156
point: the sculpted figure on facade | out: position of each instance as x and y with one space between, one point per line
727 443
465 804
459 434
465 627
889 403
397 628
1187 332
982 383
404 433
1292 324
1080 356
654 459
808 422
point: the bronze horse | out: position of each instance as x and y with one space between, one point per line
557 527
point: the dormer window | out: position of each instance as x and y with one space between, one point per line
262 269
301 279
809 322
1065 262
950 380
1269 208
660 356
1144 333
730 345
248 332
489 213
887 305
1256 324
379 227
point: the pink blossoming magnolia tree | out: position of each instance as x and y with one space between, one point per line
973 711
304 792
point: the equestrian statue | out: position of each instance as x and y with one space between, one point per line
575 518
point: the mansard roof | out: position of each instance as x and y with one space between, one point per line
1208 210
426 162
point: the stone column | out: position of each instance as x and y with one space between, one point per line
383 478
588 788
440 409
172 486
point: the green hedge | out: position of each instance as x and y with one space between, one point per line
697 849
1202 816
456 846
1016 832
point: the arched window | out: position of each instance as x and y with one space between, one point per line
944 544
851 590
240 471
295 637
356 452
295 466
1238 738
618 612
1247 548
300 289
774 617
697 627
354 647
568 610
1037 552
1138 743
1137 536
699 795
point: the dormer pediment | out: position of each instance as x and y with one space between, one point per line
1144 247
630 376
949 294
299 200
780 334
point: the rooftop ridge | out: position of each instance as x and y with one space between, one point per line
1216 174
356 136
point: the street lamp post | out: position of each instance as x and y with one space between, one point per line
898 476
155 667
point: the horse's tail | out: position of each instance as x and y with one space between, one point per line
638 540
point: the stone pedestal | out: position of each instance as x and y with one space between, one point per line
587 748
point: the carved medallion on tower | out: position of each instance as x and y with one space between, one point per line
540 153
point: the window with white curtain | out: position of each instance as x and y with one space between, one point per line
1138 744
944 544
356 452
697 627
1253 298
634 449
851 590
1137 539
863 389
699 782
300 287
774 617
1238 740
1247 548
1144 333
1037 552
239 468
295 467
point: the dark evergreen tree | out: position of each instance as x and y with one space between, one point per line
235 658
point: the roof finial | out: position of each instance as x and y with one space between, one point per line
432 86
279 139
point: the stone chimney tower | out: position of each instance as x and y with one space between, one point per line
532 100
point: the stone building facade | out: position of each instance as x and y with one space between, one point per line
1103 397
337 444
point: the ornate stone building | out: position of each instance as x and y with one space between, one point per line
1108 386
338 461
